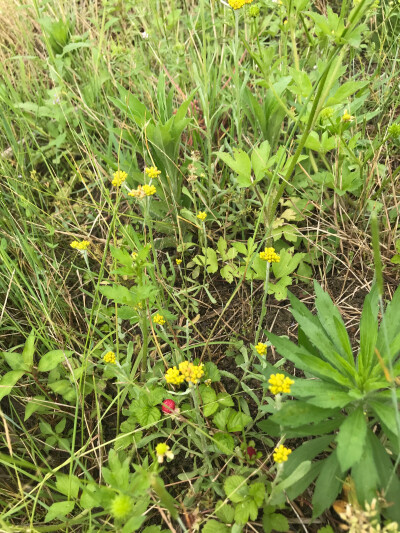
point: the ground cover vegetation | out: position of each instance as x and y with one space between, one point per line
199 257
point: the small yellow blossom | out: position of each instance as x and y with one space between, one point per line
279 383
152 172
207 382
119 178
201 215
134 255
149 190
192 373
137 193
237 4
347 117
269 255
109 358
174 377
163 450
159 319
261 348
83 245
178 261
281 454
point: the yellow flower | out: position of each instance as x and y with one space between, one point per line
281 454
119 178
279 383
163 450
347 117
269 255
109 358
237 4
159 319
201 215
149 190
191 373
261 348
83 245
173 376
178 261
152 172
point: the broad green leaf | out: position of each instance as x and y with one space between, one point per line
51 359
235 488
14 360
300 486
327 426
8 381
259 159
224 511
351 439
386 414
212 526
221 418
224 442
122 256
209 399
327 486
57 511
146 415
321 393
90 497
257 492
68 485
293 478
212 372
37 403
120 295
245 510
275 522
225 399
237 421
297 413
365 475
29 350
347 89
240 164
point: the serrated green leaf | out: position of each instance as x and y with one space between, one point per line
68 485
212 526
327 486
224 442
224 512
59 510
235 488
240 164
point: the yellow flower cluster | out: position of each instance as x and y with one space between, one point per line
186 372
269 255
174 377
261 348
237 4
178 261
83 245
152 172
109 358
281 454
279 383
159 319
201 215
119 178
142 192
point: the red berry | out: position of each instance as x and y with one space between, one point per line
250 451
168 406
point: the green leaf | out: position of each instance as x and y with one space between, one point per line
368 331
59 510
8 381
68 485
90 497
239 164
347 89
257 492
146 415
235 488
120 295
37 403
290 480
212 526
221 418
29 350
259 159
351 439
14 360
122 256
297 413
327 486
365 475
242 512
51 359
275 522
224 443
209 399
225 399
224 512
212 372
237 421
386 414
321 393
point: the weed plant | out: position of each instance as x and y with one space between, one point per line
172 175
